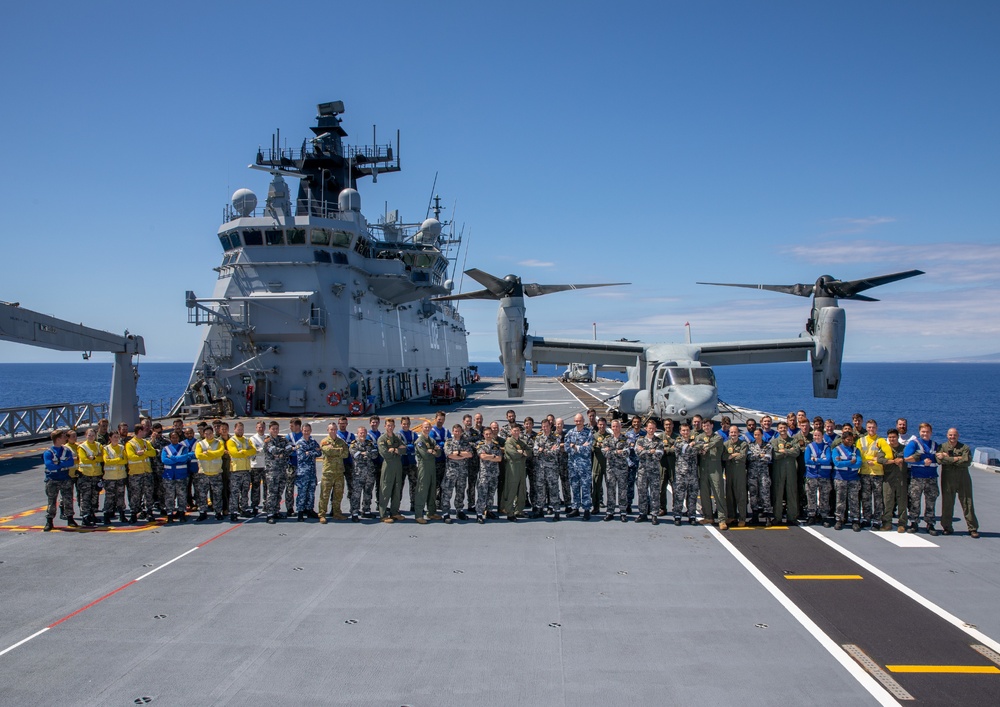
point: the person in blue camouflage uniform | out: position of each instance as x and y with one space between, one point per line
307 451
364 453
276 451
847 484
291 471
473 435
559 430
921 455
546 454
685 476
458 452
819 479
633 433
649 451
759 478
58 484
617 450
579 445
490 456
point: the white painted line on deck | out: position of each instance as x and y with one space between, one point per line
23 641
168 562
923 601
905 539
840 655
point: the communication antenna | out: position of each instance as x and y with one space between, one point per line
465 259
431 199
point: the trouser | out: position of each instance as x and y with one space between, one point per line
848 500
486 486
786 491
391 489
364 478
563 480
617 482
258 479
926 489
685 492
759 489
290 474
648 487
872 507
712 485
226 494
424 501
140 492
818 496
531 483
598 472
410 477
514 489
548 485
64 490
667 478
736 492
175 495
440 465
239 490
305 488
157 488
275 490
581 485
471 482
88 493
456 480
501 476
114 495
331 493
192 497
205 485
957 483
894 495
633 473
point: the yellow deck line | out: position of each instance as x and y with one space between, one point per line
823 576
943 669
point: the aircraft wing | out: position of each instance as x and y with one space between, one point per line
610 354
728 353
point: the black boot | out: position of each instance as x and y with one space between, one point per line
302 516
48 525
201 516
71 522
107 518
234 517
134 518
121 517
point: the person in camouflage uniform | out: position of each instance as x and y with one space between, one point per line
307 451
364 453
819 481
546 453
258 474
759 477
648 450
88 481
139 454
175 458
331 487
490 455
113 457
559 430
894 480
617 450
473 435
633 433
846 464
241 450
58 484
458 454
276 451
579 443
785 452
291 470
599 464
209 451
921 455
528 435
668 463
685 476
157 441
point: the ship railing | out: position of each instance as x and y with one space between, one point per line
156 409
37 422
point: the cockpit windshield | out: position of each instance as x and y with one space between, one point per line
679 376
703 376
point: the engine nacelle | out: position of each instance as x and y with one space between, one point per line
511 327
830 324
634 401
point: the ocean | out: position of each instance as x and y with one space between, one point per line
961 395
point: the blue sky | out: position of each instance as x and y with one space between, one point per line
656 143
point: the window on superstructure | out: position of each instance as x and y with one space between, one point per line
296 236
224 239
320 236
253 237
363 247
274 236
341 239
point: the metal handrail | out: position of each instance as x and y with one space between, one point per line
36 422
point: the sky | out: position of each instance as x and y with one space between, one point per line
656 143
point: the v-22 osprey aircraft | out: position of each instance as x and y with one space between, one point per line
668 380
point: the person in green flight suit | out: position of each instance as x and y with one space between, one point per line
517 452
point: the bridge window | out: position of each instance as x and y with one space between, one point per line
274 237
296 236
226 243
253 237
320 236
703 376
341 239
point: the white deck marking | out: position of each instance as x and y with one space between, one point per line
924 602
905 539
23 641
840 655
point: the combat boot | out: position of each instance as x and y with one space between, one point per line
355 518
654 520
182 516
838 525
641 518
170 518
301 516
912 528
462 515
512 518
234 517
89 521
447 519
555 517
586 514
931 530
322 520
107 518
71 522
219 515
609 516
121 517
624 517
271 520
421 521
856 527
480 519
573 513
201 516
134 518
48 525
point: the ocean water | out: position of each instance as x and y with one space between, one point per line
961 395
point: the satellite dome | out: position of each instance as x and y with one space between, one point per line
349 200
449 285
244 201
430 231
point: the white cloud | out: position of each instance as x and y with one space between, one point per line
856 225
531 263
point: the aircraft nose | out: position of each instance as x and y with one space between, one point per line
696 400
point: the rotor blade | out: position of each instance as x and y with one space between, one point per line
799 290
847 289
860 298
478 294
492 283
536 290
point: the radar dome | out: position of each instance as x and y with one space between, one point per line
449 285
349 200
244 201
430 231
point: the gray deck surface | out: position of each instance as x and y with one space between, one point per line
533 613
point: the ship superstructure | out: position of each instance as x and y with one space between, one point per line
316 309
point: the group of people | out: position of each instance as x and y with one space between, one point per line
766 473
